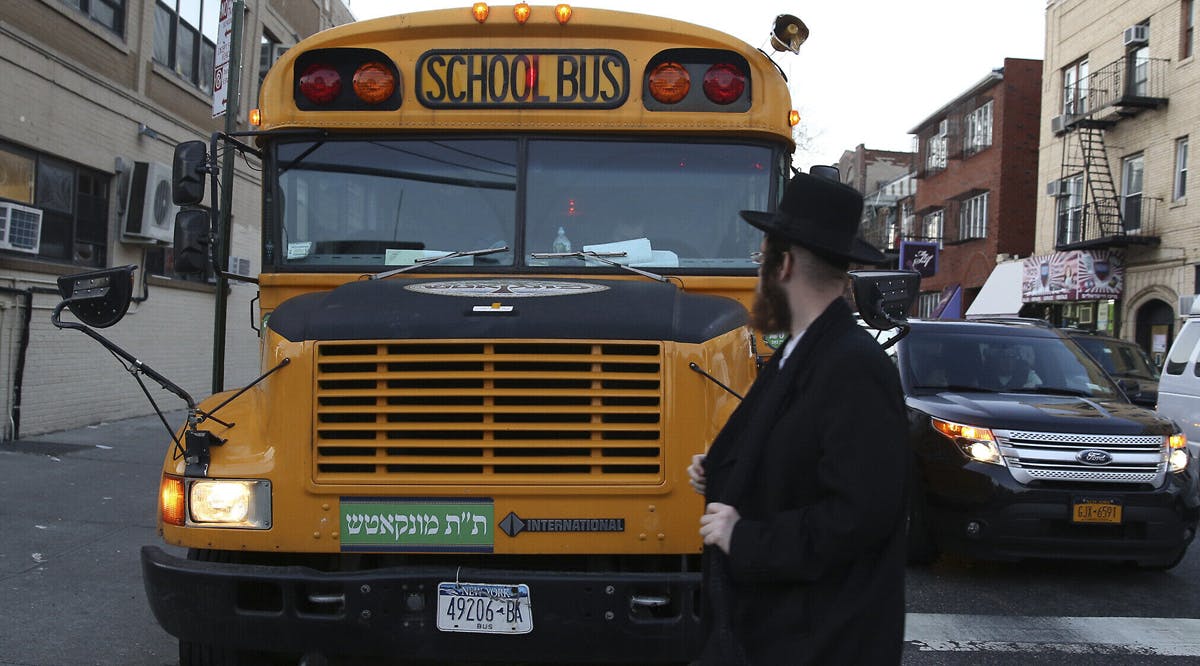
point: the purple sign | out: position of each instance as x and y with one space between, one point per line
919 256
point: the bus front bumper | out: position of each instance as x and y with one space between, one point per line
390 613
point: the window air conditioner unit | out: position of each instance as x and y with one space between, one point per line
1058 124
1187 305
1137 35
1056 188
150 215
20 228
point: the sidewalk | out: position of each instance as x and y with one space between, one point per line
76 506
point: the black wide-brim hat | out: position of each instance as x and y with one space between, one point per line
822 215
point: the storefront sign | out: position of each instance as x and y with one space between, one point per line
1078 275
919 256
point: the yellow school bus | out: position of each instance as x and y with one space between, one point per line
503 297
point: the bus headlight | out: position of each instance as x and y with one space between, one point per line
230 503
975 443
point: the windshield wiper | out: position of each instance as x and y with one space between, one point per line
957 388
602 258
1053 390
429 261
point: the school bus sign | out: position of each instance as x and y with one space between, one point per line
597 79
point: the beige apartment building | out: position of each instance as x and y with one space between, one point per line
1118 246
97 94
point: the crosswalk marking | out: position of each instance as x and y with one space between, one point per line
938 632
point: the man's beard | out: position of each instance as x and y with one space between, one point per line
770 312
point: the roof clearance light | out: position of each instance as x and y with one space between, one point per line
480 11
256 117
793 118
669 83
374 83
724 83
320 83
563 13
521 12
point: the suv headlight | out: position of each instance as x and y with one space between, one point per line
1177 452
978 444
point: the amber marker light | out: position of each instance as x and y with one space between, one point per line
480 11
256 117
373 83
793 118
669 83
521 12
171 500
563 13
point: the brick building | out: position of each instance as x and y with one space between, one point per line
977 191
97 94
1118 247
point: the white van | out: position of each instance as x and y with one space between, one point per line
1179 385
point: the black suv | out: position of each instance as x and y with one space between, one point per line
1024 447
1125 362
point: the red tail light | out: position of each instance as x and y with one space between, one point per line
320 83
724 83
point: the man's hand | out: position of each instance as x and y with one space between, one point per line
716 525
696 474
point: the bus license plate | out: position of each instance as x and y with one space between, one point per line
484 608
1093 510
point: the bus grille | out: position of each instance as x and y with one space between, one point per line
512 412
1051 456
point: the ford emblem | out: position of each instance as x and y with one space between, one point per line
1094 457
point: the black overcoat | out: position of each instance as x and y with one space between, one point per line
815 461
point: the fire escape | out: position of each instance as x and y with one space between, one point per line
1091 210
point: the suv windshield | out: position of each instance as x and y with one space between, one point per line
943 360
370 204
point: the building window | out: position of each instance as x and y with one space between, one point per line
1187 21
1131 192
185 34
907 220
972 217
1069 203
269 50
927 302
932 226
108 13
979 129
72 200
1075 88
1179 190
935 147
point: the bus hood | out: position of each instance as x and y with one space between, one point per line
1043 413
501 307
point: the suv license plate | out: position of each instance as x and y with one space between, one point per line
484 608
1096 510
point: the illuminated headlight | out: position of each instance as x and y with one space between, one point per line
230 503
975 443
1177 459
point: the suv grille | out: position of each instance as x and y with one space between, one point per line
1052 456
512 412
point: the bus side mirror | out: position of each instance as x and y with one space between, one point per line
187 173
98 298
191 241
884 297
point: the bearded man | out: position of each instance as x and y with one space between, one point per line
805 485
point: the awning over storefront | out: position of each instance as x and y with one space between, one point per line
1078 275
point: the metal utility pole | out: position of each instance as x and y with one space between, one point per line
231 29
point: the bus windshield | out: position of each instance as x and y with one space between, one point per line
364 204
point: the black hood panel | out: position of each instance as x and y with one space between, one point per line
397 308
1043 413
